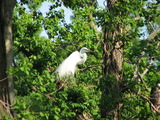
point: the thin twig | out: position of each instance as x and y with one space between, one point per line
135 73
35 88
3 79
151 26
147 68
57 89
6 77
89 67
48 95
140 77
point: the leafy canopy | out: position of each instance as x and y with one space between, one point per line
36 58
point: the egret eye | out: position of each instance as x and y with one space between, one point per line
81 57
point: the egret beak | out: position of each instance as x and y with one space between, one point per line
90 50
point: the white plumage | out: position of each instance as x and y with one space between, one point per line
69 65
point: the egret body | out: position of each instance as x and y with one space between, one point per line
69 65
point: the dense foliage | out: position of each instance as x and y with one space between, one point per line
39 96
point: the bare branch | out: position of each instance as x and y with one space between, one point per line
57 89
89 67
94 2
135 73
6 77
151 26
35 88
147 99
137 18
147 68
7 106
150 37
140 77
153 34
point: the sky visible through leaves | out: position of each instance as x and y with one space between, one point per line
68 12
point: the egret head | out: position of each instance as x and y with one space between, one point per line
84 50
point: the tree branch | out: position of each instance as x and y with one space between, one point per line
135 73
89 67
140 77
35 88
147 68
150 37
153 34
6 77
7 106
57 89
147 99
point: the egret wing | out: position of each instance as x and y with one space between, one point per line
68 66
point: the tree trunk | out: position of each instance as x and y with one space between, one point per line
112 69
6 82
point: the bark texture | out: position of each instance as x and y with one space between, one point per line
112 68
6 56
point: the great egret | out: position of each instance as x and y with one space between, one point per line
69 65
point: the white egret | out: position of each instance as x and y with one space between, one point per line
69 65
